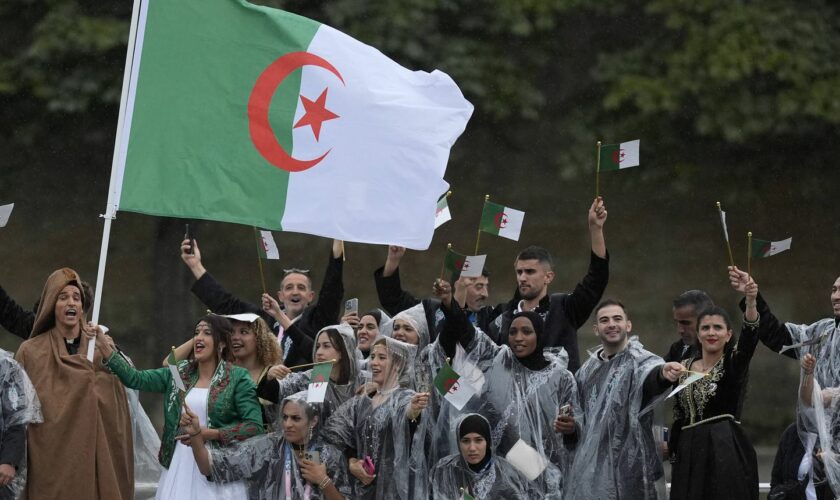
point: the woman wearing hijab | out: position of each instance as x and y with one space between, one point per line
221 394
78 400
293 463
475 470
333 342
520 389
375 428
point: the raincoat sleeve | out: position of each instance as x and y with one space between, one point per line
294 383
14 318
19 406
340 429
244 460
250 421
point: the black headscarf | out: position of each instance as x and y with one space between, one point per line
534 361
479 425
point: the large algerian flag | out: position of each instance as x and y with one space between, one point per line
501 220
319 379
618 156
764 248
248 114
449 384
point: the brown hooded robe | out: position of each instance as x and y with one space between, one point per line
84 448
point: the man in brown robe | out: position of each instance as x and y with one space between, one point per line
84 448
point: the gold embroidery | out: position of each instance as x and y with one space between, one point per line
695 397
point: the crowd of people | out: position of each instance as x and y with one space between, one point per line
544 421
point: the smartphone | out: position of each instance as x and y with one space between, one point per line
189 236
312 456
566 410
351 306
367 465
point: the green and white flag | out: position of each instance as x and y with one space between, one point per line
248 114
764 248
442 213
5 213
465 495
267 246
723 224
453 262
449 384
172 361
501 220
319 379
618 156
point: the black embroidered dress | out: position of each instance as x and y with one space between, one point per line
711 455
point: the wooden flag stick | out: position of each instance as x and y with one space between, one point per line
597 168
749 254
443 264
478 236
311 364
259 258
725 234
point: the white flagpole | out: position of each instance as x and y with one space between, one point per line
110 207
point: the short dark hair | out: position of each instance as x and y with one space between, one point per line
611 302
696 299
540 254
303 272
715 311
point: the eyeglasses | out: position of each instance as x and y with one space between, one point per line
295 270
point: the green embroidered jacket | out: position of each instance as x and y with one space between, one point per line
232 405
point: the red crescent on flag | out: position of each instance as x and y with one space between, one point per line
448 383
501 220
262 134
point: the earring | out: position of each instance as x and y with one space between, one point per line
309 435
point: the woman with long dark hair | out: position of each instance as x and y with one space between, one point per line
220 393
710 454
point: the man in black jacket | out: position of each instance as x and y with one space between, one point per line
563 313
299 322
471 294
686 308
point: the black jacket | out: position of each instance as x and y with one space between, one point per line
563 313
14 318
299 337
678 352
394 300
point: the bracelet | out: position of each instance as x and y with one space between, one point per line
196 434
751 324
326 482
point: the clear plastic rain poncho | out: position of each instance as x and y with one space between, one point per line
337 394
19 406
618 457
416 317
519 402
497 479
822 339
377 427
269 464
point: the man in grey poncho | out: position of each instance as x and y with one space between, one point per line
617 458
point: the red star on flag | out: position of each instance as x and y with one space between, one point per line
316 113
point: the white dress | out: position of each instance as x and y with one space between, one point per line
183 480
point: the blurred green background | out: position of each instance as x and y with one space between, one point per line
733 101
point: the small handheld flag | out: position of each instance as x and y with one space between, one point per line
468 266
319 379
501 220
442 213
694 377
5 213
526 459
449 384
266 245
172 361
763 248
619 156
725 233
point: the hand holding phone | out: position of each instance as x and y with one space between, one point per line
312 456
351 306
189 236
367 465
566 410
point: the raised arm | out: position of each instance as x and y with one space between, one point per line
771 332
389 289
17 320
457 328
326 311
580 303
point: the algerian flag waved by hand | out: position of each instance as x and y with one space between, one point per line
468 266
442 213
5 213
618 156
267 246
172 361
501 220
449 384
244 113
763 248
692 377
319 378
